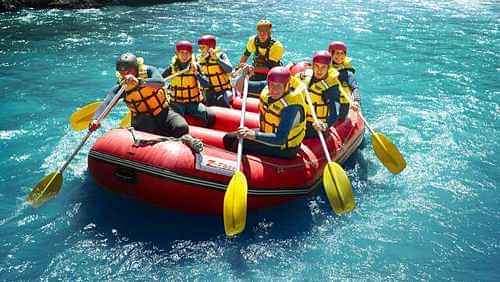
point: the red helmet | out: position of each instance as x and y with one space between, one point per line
299 67
278 75
337 46
322 57
208 40
184 45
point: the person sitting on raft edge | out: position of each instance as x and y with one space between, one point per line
215 65
282 119
145 97
325 92
267 53
185 87
343 64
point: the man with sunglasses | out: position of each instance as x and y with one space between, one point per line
267 53
145 97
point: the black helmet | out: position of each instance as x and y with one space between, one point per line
126 62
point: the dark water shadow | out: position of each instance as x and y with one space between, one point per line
142 222
360 168
122 221
357 163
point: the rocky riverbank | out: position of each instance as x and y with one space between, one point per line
12 5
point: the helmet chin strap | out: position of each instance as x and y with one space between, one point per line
267 39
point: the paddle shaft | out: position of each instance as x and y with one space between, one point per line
322 139
380 142
366 123
235 77
361 116
372 131
320 133
242 123
176 74
63 167
106 111
237 72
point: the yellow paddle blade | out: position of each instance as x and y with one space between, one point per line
235 204
80 119
388 153
45 189
338 188
126 120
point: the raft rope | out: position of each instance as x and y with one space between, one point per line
195 144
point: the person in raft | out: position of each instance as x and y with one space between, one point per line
185 87
343 65
215 65
282 119
145 97
326 94
267 53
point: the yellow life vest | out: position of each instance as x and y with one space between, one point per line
317 90
219 80
184 87
264 54
146 98
346 65
270 113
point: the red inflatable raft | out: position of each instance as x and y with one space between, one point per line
171 175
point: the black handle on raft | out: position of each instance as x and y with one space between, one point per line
126 176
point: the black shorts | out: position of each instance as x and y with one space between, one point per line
259 149
310 131
221 99
167 123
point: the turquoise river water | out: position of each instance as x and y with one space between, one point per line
429 72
